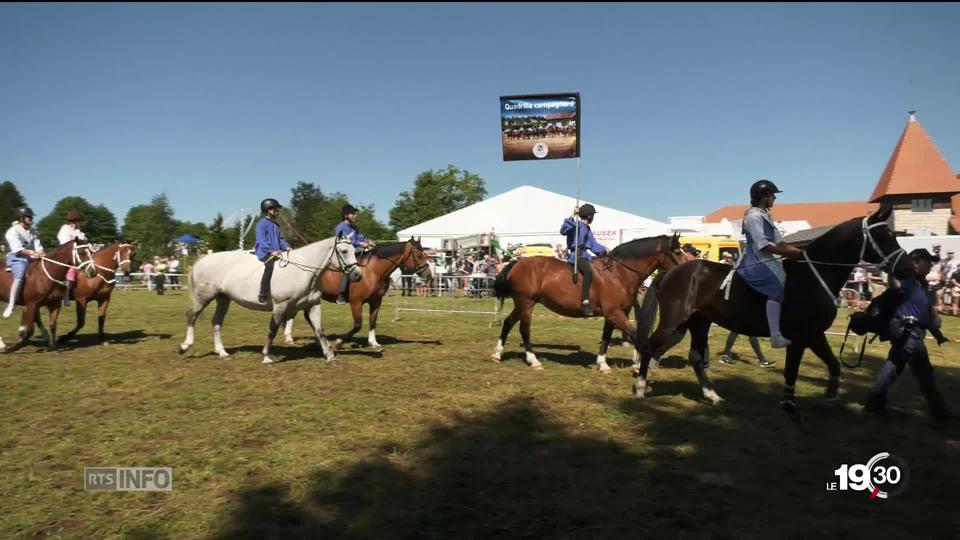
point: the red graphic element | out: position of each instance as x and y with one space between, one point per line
874 494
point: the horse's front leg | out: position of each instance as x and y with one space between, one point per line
54 315
276 320
314 317
790 372
288 332
604 344
819 345
356 309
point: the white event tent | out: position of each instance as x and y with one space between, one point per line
530 215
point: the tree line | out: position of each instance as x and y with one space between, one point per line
311 211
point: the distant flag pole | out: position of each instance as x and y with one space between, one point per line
543 126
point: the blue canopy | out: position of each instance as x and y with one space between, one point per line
188 239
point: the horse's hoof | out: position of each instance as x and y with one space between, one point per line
377 348
605 369
789 406
181 349
495 358
537 367
289 342
267 360
223 355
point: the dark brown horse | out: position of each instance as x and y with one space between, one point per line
107 260
45 285
377 267
616 279
690 298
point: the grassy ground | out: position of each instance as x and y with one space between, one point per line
432 440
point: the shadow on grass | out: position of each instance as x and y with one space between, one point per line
690 470
120 338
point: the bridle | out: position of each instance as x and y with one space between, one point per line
116 257
886 259
341 263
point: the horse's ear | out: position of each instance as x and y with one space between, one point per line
882 214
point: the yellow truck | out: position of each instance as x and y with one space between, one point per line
712 248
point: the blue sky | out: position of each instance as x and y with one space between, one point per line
684 106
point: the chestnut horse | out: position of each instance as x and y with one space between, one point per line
377 267
45 285
616 279
690 298
107 260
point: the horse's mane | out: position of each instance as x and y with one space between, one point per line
388 249
837 232
639 247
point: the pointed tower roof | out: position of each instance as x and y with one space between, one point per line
916 166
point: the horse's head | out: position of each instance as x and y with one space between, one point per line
415 260
345 258
82 257
124 256
671 252
880 245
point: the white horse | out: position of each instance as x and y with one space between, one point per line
295 286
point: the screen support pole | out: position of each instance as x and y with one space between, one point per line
576 241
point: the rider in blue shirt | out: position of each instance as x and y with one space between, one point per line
586 242
269 244
760 265
348 228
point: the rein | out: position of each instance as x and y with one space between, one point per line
75 258
894 256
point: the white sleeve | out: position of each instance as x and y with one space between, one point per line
13 240
36 242
64 235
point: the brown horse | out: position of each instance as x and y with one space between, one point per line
616 279
44 285
377 267
690 298
107 260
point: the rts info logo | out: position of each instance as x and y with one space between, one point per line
884 476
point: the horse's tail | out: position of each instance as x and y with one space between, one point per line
502 286
648 310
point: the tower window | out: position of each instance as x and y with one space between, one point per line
922 205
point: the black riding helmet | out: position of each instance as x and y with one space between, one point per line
762 188
267 204
24 212
587 211
347 209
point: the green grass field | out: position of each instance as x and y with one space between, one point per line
433 440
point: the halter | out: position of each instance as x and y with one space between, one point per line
75 258
893 256
116 257
419 269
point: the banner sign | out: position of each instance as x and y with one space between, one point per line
543 126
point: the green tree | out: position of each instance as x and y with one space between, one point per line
99 224
436 193
10 201
153 225
316 215
216 235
